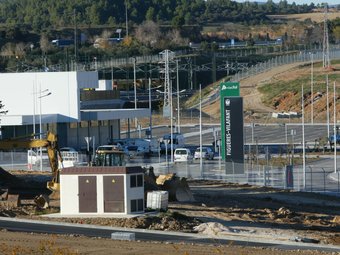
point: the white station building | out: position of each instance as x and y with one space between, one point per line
74 105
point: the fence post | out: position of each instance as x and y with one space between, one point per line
311 179
338 182
284 177
324 179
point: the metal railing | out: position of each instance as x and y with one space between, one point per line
302 56
310 179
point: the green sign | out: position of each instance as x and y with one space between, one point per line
227 89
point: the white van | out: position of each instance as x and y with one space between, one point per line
183 155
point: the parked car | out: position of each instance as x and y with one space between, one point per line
133 151
70 157
68 149
207 153
183 155
109 147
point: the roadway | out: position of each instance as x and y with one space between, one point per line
33 226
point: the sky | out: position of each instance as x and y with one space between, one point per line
330 2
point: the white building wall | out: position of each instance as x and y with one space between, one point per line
100 194
133 193
20 94
105 85
69 199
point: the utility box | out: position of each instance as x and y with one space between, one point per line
101 190
157 200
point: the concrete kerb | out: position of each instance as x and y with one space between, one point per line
227 237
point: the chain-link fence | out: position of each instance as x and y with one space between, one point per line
13 160
316 176
309 179
302 56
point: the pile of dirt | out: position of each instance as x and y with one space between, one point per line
168 221
243 209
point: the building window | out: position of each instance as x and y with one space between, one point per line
137 205
136 181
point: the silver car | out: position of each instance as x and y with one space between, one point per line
207 153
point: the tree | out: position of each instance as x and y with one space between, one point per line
148 33
174 36
45 45
2 112
150 14
336 33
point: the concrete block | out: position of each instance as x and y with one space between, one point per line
123 236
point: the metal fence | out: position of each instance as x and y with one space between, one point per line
312 178
13 160
302 56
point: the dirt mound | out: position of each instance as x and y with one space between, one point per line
6 177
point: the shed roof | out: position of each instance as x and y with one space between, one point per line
96 170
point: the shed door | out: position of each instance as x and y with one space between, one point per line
114 194
87 194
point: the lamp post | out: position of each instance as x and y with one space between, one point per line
201 158
311 89
178 120
150 109
40 124
334 129
135 86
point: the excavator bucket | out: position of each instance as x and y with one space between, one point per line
178 188
42 201
55 188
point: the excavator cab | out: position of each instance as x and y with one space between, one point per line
109 158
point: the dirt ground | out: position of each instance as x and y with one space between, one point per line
251 96
220 209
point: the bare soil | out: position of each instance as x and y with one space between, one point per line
315 16
220 209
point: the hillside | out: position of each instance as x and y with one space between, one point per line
313 16
279 90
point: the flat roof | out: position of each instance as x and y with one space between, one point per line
114 114
97 170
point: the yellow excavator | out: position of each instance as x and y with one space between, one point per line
50 143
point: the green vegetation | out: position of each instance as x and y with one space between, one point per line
44 15
28 27
272 91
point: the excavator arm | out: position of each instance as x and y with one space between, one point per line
50 143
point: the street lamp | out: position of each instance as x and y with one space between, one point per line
292 133
40 124
178 109
135 86
311 88
178 121
200 123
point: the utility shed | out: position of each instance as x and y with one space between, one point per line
101 190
